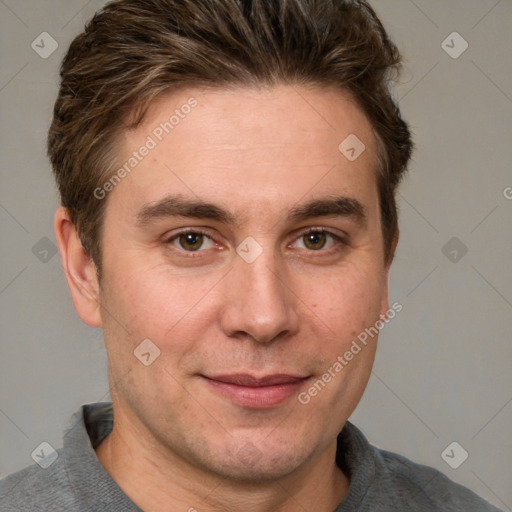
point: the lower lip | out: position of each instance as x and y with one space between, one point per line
262 397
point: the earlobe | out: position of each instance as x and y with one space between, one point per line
79 269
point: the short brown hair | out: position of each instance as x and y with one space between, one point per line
133 50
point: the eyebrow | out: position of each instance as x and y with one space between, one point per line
340 206
176 206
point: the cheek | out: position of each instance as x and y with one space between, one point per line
347 301
342 311
156 304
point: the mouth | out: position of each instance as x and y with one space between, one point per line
256 392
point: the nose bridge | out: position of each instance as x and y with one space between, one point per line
260 304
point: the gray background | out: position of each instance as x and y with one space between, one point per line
443 369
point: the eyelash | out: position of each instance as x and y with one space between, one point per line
340 241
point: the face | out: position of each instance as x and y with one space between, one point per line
248 249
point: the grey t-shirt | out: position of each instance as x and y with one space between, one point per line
76 481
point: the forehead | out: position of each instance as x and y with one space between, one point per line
265 147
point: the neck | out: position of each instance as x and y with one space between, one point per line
156 479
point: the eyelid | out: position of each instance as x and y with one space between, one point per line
339 238
168 239
323 229
185 231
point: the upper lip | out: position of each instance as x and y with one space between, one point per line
252 381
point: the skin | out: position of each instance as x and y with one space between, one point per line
257 153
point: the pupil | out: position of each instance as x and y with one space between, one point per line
315 239
191 241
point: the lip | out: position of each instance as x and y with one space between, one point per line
256 392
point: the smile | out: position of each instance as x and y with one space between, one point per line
256 393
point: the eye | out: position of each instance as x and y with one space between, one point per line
318 239
191 241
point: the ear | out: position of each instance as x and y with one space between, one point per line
392 249
384 307
79 269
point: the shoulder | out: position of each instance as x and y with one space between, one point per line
386 481
71 478
36 489
417 483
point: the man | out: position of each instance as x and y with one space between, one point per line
228 172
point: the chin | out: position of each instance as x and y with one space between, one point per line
261 471
246 463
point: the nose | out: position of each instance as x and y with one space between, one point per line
259 302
